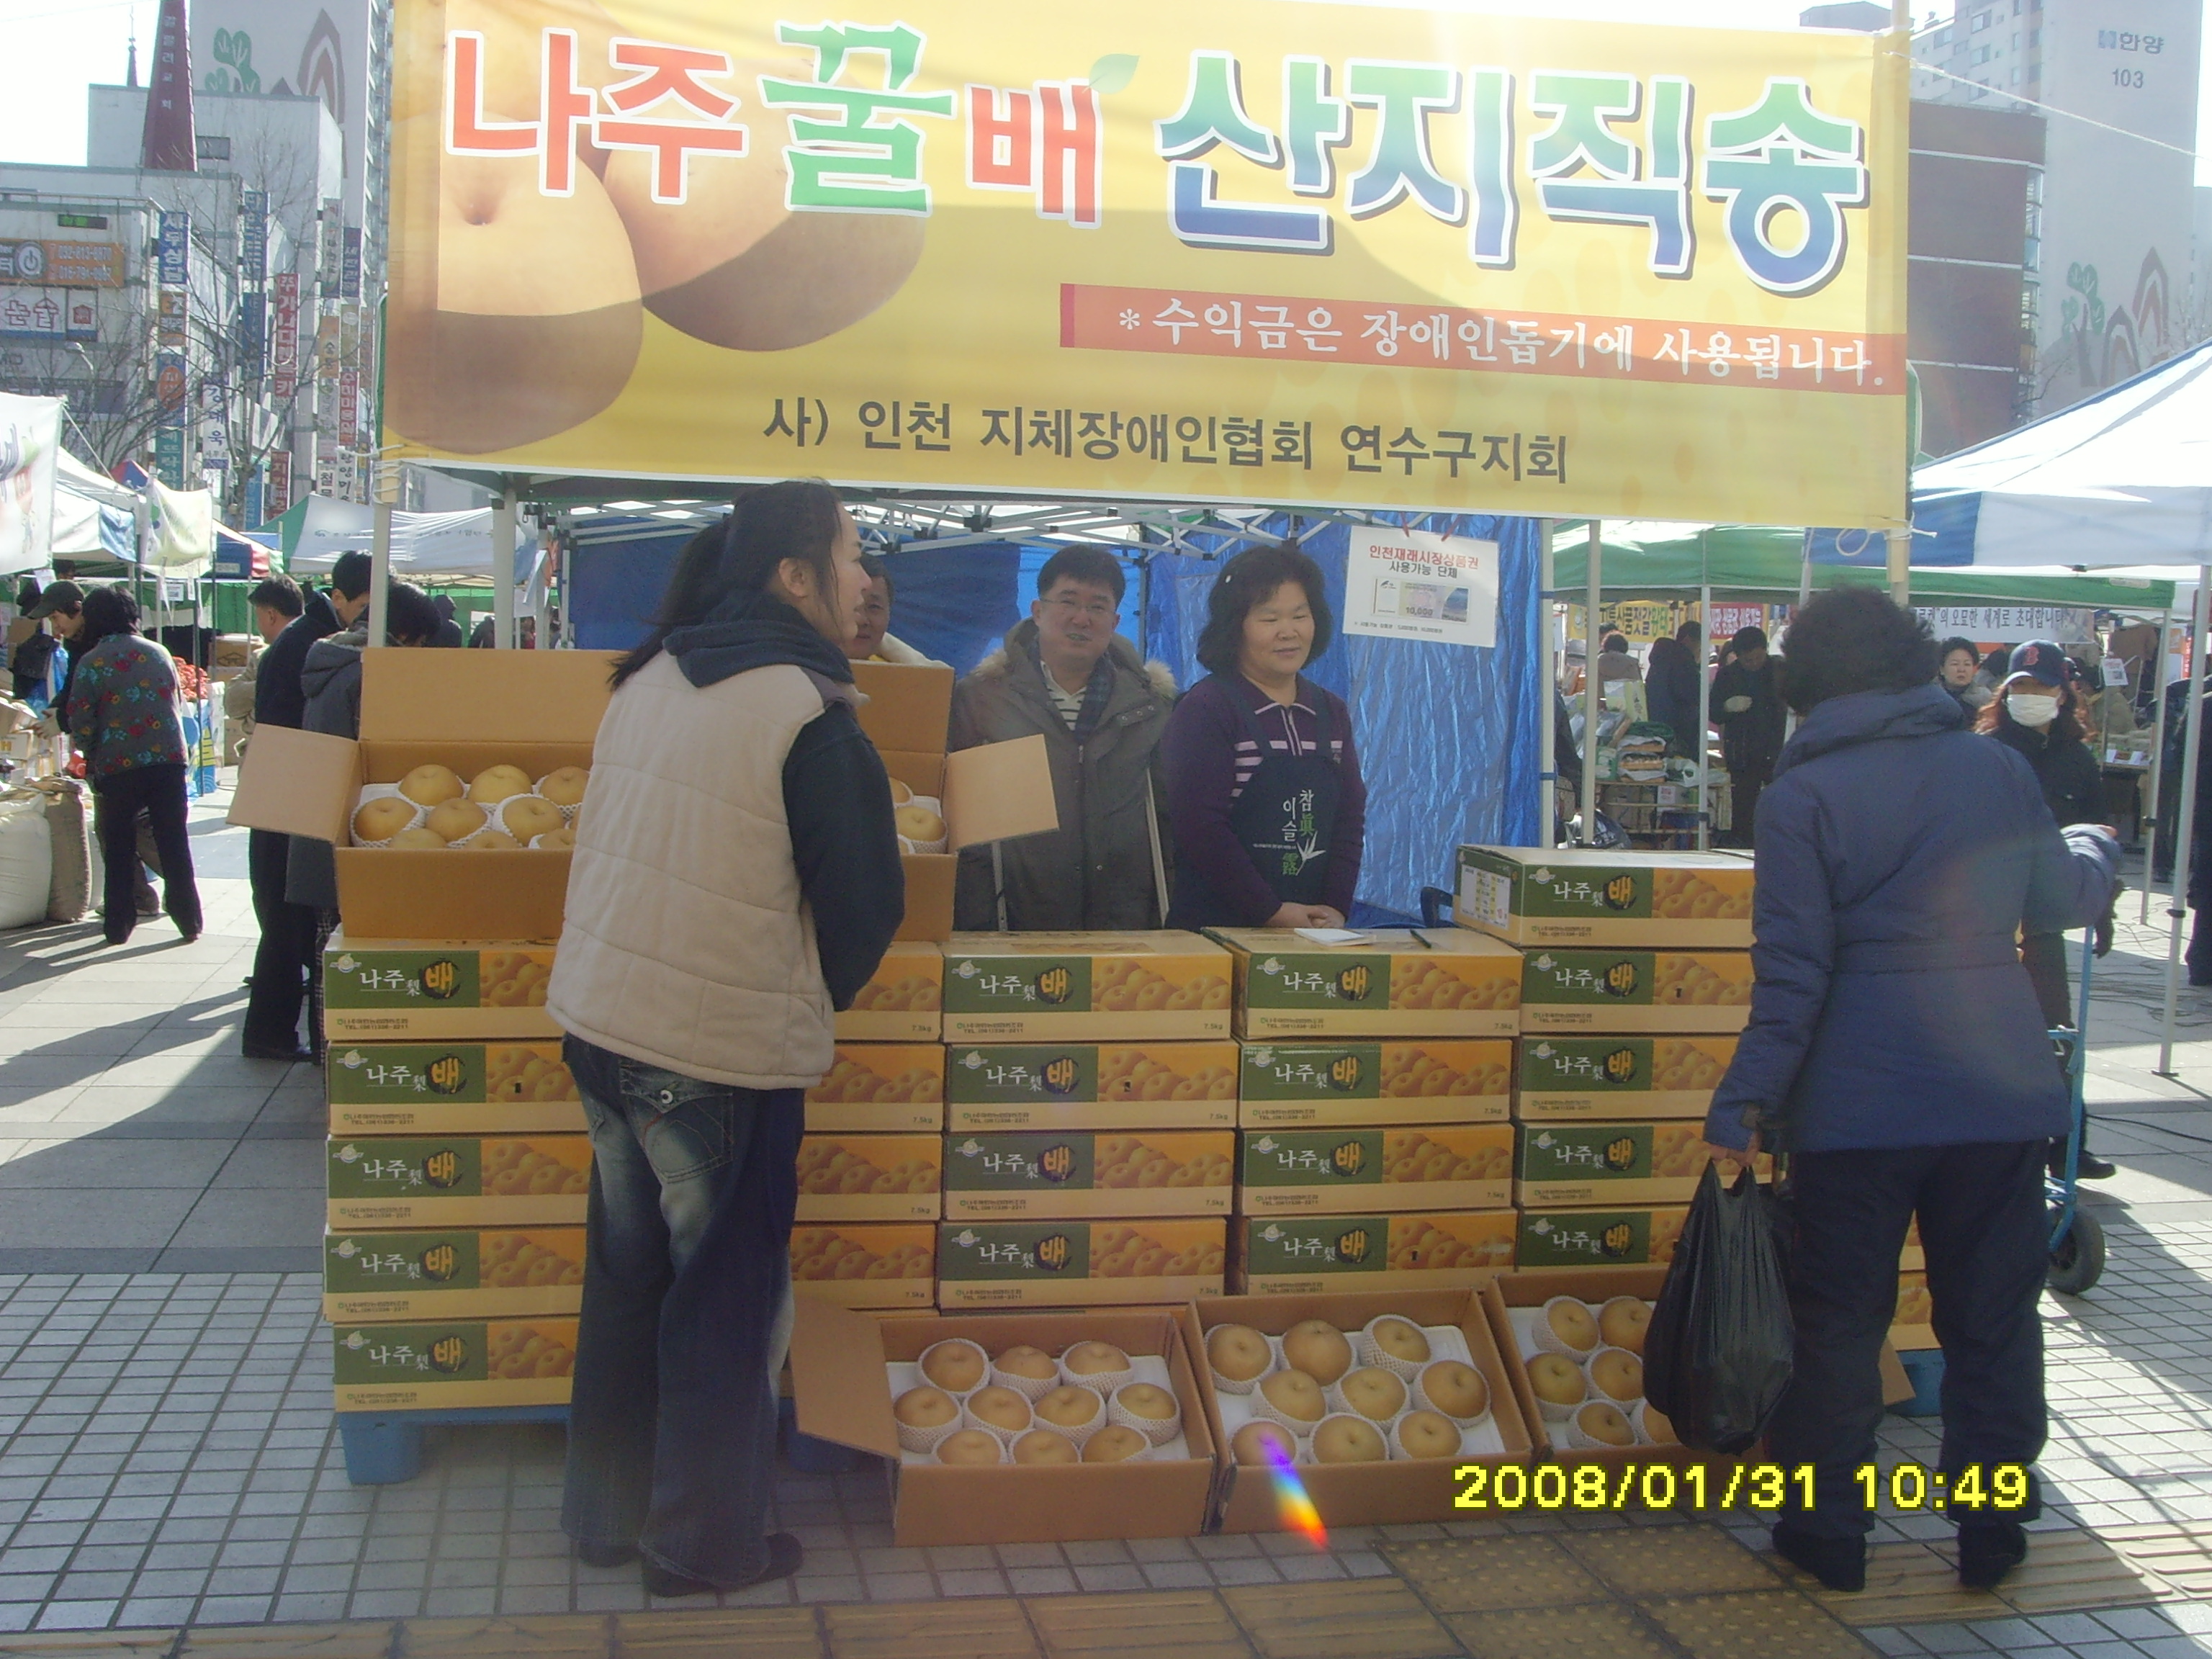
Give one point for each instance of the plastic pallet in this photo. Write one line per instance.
(383, 1448)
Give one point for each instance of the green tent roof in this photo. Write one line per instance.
(1768, 562)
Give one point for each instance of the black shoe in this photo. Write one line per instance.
(270, 1051)
(1988, 1551)
(1839, 1562)
(2090, 1167)
(606, 1555)
(785, 1553)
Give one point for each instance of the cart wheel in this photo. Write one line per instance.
(2078, 1262)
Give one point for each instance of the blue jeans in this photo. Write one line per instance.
(687, 1311)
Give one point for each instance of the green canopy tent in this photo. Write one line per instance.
(1767, 562)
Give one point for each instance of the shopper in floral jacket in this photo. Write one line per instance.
(122, 718)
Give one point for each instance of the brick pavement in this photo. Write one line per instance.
(167, 1456)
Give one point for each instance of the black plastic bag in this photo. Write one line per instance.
(1717, 1356)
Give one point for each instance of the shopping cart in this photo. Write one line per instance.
(2077, 1242)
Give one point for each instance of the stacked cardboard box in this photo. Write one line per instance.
(459, 1170)
(1090, 1127)
(1636, 978)
(1374, 1151)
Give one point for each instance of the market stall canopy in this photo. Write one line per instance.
(1641, 559)
(95, 516)
(2123, 478)
(444, 543)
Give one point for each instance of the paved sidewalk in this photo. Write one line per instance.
(167, 1456)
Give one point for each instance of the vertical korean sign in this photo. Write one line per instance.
(285, 336)
(173, 246)
(1312, 253)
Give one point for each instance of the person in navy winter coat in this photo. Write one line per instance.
(1896, 1052)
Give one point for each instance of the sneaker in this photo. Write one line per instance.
(784, 1554)
(1988, 1550)
(1838, 1563)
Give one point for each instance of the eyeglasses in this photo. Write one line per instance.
(1096, 610)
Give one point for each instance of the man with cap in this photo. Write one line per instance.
(1747, 706)
(287, 952)
(61, 607)
(2035, 714)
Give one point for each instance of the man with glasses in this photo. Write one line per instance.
(1068, 674)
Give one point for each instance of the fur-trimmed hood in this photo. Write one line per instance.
(1120, 652)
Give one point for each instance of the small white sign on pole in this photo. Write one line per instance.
(1410, 585)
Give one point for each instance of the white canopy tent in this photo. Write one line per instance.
(2123, 479)
(440, 544)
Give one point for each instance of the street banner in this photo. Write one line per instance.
(174, 248)
(180, 529)
(1314, 253)
(30, 438)
(284, 345)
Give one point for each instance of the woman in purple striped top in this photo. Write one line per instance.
(1264, 792)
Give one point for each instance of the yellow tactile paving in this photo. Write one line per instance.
(978, 1629)
(1641, 1561)
(1602, 1630)
(1174, 1624)
(2180, 1552)
(555, 1635)
(1911, 1583)
(355, 1641)
(1475, 1575)
(92, 1645)
(1754, 1625)
(1366, 1619)
(761, 1633)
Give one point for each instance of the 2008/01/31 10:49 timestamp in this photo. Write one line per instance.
(1908, 1485)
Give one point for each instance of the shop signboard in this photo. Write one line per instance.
(253, 237)
(69, 265)
(169, 456)
(173, 329)
(330, 248)
(280, 484)
(173, 249)
(349, 278)
(48, 313)
(348, 406)
(284, 353)
(1330, 253)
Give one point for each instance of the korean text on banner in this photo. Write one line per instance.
(30, 439)
(1326, 253)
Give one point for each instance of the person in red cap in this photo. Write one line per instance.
(2037, 711)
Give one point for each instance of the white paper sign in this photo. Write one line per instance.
(1407, 584)
(30, 437)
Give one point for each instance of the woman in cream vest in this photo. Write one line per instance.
(736, 880)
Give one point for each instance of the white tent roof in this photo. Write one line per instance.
(2123, 478)
(422, 543)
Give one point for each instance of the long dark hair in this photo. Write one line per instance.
(1996, 713)
(1248, 582)
(108, 612)
(796, 519)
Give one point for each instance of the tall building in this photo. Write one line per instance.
(2116, 83)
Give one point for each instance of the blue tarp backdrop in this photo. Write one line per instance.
(1447, 735)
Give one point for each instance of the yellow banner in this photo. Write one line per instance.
(1252, 250)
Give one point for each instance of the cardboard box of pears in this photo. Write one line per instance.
(1208, 1416)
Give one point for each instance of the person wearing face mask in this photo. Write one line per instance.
(736, 880)
(1264, 790)
(2034, 712)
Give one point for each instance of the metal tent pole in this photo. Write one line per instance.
(2176, 908)
(503, 570)
(1704, 717)
(384, 485)
(2157, 764)
(1592, 697)
(1548, 766)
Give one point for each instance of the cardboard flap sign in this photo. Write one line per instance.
(998, 791)
(298, 783)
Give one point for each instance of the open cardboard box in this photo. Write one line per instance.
(1364, 1494)
(540, 710)
(842, 1392)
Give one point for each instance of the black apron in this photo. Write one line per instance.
(1284, 820)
